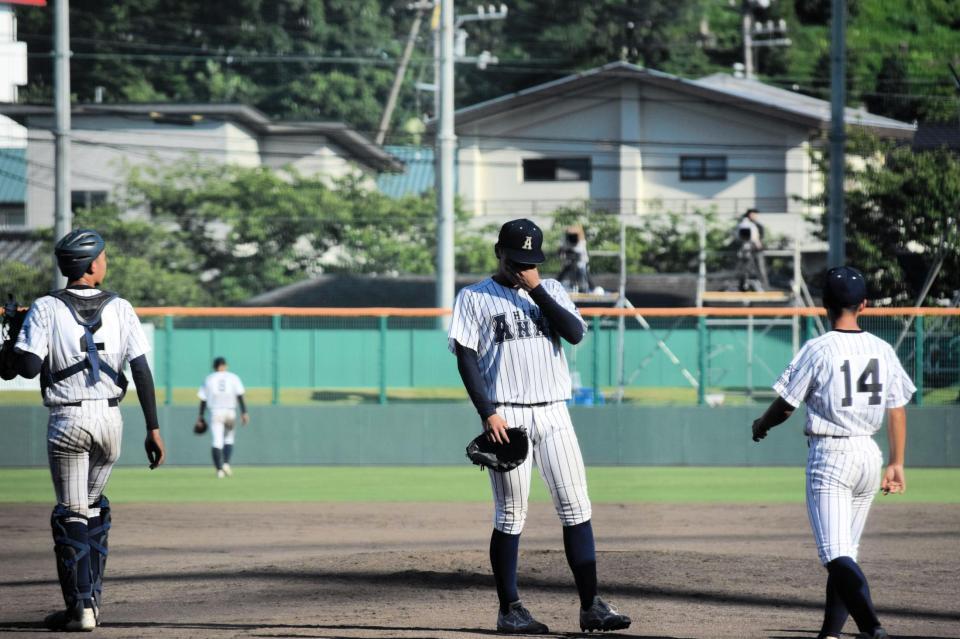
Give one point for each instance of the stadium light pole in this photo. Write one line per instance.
(61, 130)
(838, 85)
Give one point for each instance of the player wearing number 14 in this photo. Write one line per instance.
(848, 379)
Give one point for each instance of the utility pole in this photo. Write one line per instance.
(446, 149)
(838, 85)
(61, 129)
(401, 71)
(446, 145)
(757, 33)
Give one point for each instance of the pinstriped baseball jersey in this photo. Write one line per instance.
(520, 358)
(50, 332)
(220, 390)
(848, 381)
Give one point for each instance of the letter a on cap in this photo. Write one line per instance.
(528, 243)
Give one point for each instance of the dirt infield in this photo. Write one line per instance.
(420, 570)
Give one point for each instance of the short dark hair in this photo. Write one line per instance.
(218, 362)
(749, 211)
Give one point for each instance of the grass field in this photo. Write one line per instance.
(456, 484)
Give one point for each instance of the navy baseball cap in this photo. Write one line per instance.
(521, 241)
(845, 286)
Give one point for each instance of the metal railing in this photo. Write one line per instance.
(651, 355)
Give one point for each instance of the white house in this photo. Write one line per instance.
(107, 138)
(634, 140)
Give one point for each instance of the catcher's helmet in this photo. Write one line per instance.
(76, 250)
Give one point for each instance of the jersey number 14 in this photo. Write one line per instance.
(868, 382)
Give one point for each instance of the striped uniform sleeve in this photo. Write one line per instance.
(35, 333)
(137, 343)
(464, 327)
(560, 294)
(900, 388)
(798, 379)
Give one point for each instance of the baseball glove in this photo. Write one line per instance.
(200, 427)
(12, 322)
(499, 457)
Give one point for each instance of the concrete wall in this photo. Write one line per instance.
(103, 147)
(437, 435)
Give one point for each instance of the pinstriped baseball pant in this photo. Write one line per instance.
(556, 452)
(83, 443)
(843, 476)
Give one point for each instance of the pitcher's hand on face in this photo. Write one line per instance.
(526, 276)
(496, 428)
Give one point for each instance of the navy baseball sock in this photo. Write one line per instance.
(851, 585)
(504, 551)
(834, 613)
(218, 458)
(582, 557)
(227, 451)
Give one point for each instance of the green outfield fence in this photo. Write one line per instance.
(652, 355)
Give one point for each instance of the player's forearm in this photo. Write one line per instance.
(897, 434)
(778, 412)
(469, 366)
(143, 378)
(565, 323)
(243, 406)
(203, 407)
(27, 364)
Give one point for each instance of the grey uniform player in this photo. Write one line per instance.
(78, 340)
(221, 392)
(848, 380)
(506, 332)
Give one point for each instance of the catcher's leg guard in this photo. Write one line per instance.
(72, 549)
(98, 531)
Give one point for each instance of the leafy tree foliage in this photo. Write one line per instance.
(902, 217)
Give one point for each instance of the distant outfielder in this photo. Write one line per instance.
(221, 392)
(506, 333)
(78, 339)
(848, 379)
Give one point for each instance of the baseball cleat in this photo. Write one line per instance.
(518, 621)
(69, 621)
(221, 474)
(227, 471)
(603, 617)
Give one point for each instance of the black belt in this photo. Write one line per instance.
(113, 401)
(525, 405)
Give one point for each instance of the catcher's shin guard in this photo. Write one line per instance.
(99, 529)
(72, 549)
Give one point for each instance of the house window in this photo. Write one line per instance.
(703, 167)
(87, 199)
(556, 170)
(12, 215)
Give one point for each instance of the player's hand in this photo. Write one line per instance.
(496, 428)
(759, 430)
(156, 452)
(894, 481)
(525, 276)
(244, 419)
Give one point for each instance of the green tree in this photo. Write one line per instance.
(902, 217)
